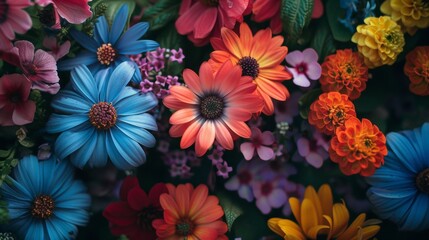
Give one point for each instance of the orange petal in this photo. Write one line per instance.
(367, 232)
(178, 130)
(272, 57)
(205, 138)
(198, 198)
(232, 42)
(268, 103)
(223, 136)
(182, 198)
(308, 215)
(206, 77)
(238, 113)
(209, 215)
(227, 78)
(258, 49)
(352, 230)
(240, 128)
(273, 225)
(183, 116)
(295, 206)
(192, 81)
(325, 196)
(275, 90)
(277, 73)
(220, 56)
(168, 203)
(314, 231)
(311, 194)
(291, 230)
(202, 232)
(173, 103)
(183, 94)
(190, 134)
(246, 37)
(340, 219)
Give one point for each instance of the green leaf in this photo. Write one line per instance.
(162, 13)
(335, 12)
(296, 16)
(232, 212)
(322, 40)
(114, 5)
(306, 100)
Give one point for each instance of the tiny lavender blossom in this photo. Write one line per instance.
(304, 66)
(223, 169)
(177, 56)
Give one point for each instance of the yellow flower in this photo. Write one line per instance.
(410, 14)
(317, 216)
(379, 40)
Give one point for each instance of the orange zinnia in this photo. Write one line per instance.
(212, 106)
(330, 111)
(417, 69)
(190, 214)
(344, 72)
(358, 147)
(259, 56)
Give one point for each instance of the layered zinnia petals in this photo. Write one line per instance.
(212, 107)
(190, 213)
(417, 70)
(259, 61)
(358, 147)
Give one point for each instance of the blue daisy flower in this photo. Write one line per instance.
(400, 188)
(44, 201)
(109, 47)
(100, 118)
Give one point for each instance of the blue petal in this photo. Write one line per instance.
(62, 178)
(15, 191)
(77, 216)
(60, 123)
(99, 155)
(139, 135)
(70, 141)
(137, 77)
(84, 83)
(424, 143)
(391, 179)
(101, 78)
(124, 152)
(134, 33)
(416, 219)
(118, 80)
(27, 173)
(35, 231)
(118, 24)
(69, 102)
(402, 148)
(137, 47)
(61, 227)
(75, 198)
(145, 121)
(101, 30)
(84, 57)
(83, 154)
(136, 104)
(389, 208)
(84, 40)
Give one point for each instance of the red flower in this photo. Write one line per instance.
(133, 215)
(74, 11)
(15, 108)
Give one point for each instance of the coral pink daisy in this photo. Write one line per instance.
(13, 19)
(15, 108)
(74, 11)
(213, 106)
(202, 19)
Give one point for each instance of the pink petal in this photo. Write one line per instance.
(265, 153)
(5, 43)
(314, 160)
(267, 138)
(7, 30)
(317, 9)
(232, 184)
(19, 20)
(294, 58)
(185, 23)
(26, 51)
(24, 113)
(205, 23)
(299, 79)
(248, 150)
(303, 147)
(74, 11)
(310, 55)
(263, 205)
(277, 198)
(234, 8)
(43, 3)
(245, 192)
(6, 116)
(314, 71)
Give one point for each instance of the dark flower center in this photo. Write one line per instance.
(14, 97)
(47, 16)
(422, 181)
(211, 107)
(210, 3)
(147, 215)
(302, 68)
(102, 115)
(244, 177)
(106, 54)
(249, 66)
(184, 227)
(4, 9)
(43, 207)
(266, 188)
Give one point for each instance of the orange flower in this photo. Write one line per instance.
(259, 56)
(330, 111)
(417, 69)
(212, 106)
(344, 72)
(190, 214)
(358, 147)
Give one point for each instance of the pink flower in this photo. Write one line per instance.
(304, 66)
(244, 179)
(15, 107)
(13, 19)
(57, 51)
(269, 194)
(223, 169)
(39, 67)
(74, 11)
(177, 55)
(317, 9)
(202, 19)
(259, 142)
(315, 150)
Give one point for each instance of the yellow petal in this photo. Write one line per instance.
(329, 223)
(295, 206)
(314, 231)
(340, 217)
(291, 229)
(311, 194)
(367, 232)
(308, 215)
(325, 196)
(273, 225)
(353, 228)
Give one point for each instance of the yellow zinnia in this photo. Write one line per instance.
(410, 14)
(380, 41)
(317, 216)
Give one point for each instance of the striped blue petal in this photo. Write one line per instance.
(84, 83)
(119, 78)
(69, 141)
(137, 47)
(118, 24)
(134, 33)
(139, 135)
(69, 102)
(136, 104)
(101, 30)
(144, 120)
(84, 40)
(124, 152)
(85, 58)
(59, 123)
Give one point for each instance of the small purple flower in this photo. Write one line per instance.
(146, 86)
(313, 150)
(244, 179)
(158, 54)
(160, 80)
(304, 66)
(269, 194)
(172, 81)
(216, 156)
(223, 169)
(177, 55)
(259, 142)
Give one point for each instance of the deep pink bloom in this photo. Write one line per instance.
(57, 51)
(202, 19)
(259, 143)
(15, 107)
(74, 11)
(177, 55)
(304, 66)
(13, 19)
(39, 67)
